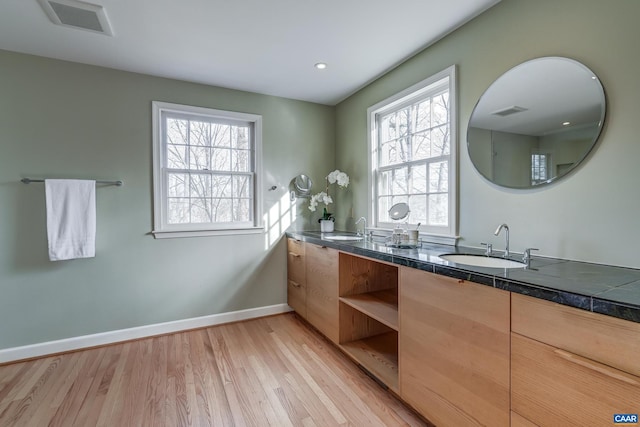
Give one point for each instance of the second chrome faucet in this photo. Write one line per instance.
(526, 256)
(364, 228)
(506, 228)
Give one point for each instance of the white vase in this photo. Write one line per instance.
(326, 225)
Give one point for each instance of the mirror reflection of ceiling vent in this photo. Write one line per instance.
(77, 14)
(509, 111)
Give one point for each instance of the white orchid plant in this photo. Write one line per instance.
(335, 177)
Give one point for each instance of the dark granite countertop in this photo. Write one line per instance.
(609, 290)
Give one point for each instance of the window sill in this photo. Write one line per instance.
(439, 239)
(173, 234)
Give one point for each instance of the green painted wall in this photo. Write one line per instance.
(60, 119)
(592, 214)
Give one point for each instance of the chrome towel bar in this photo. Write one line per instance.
(29, 181)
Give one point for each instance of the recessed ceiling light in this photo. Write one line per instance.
(566, 123)
(320, 65)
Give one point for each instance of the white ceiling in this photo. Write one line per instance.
(262, 46)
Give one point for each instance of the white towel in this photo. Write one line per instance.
(71, 218)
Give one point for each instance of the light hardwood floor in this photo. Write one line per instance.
(273, 371)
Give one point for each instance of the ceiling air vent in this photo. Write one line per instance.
(77, 14)
(509, 111)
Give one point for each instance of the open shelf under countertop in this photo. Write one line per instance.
(381, 306)
(379, 355)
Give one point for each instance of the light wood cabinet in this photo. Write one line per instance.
(570, 366)
(461, 353)
(322, 289)
(296, 277)
(454, 350)
(312, 285)
(369, 315)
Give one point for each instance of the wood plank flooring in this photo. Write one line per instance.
(273, 371)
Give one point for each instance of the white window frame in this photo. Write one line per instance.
(447, 235)
(162, 229)
(547, 167)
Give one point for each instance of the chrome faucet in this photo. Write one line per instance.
(364, 229)
(506, 227)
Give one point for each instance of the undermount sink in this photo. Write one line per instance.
(343, 238)
(482, 261)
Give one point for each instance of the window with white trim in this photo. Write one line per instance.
(540, 164)
(206, 171)
(412, 146)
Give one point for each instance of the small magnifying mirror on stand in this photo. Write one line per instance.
(301, 187)
(399, 211)
(402, 237)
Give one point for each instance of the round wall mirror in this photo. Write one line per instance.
(399, 211)
(536, 123)
(302, 185)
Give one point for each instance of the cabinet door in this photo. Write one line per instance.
(454, 349)
(553, 387)
(296, 277)
(322, 289)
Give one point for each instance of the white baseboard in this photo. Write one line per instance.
(86, 341)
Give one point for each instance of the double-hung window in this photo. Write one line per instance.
(540, 168)
(206, 171)
(412, 146)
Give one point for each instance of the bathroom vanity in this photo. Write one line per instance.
(557, 343)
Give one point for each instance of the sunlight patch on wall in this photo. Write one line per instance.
(278, 218)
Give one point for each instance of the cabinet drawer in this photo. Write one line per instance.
(551, 386)
(297, 297)
(609, 340)
(296, 261)
(295, 246)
